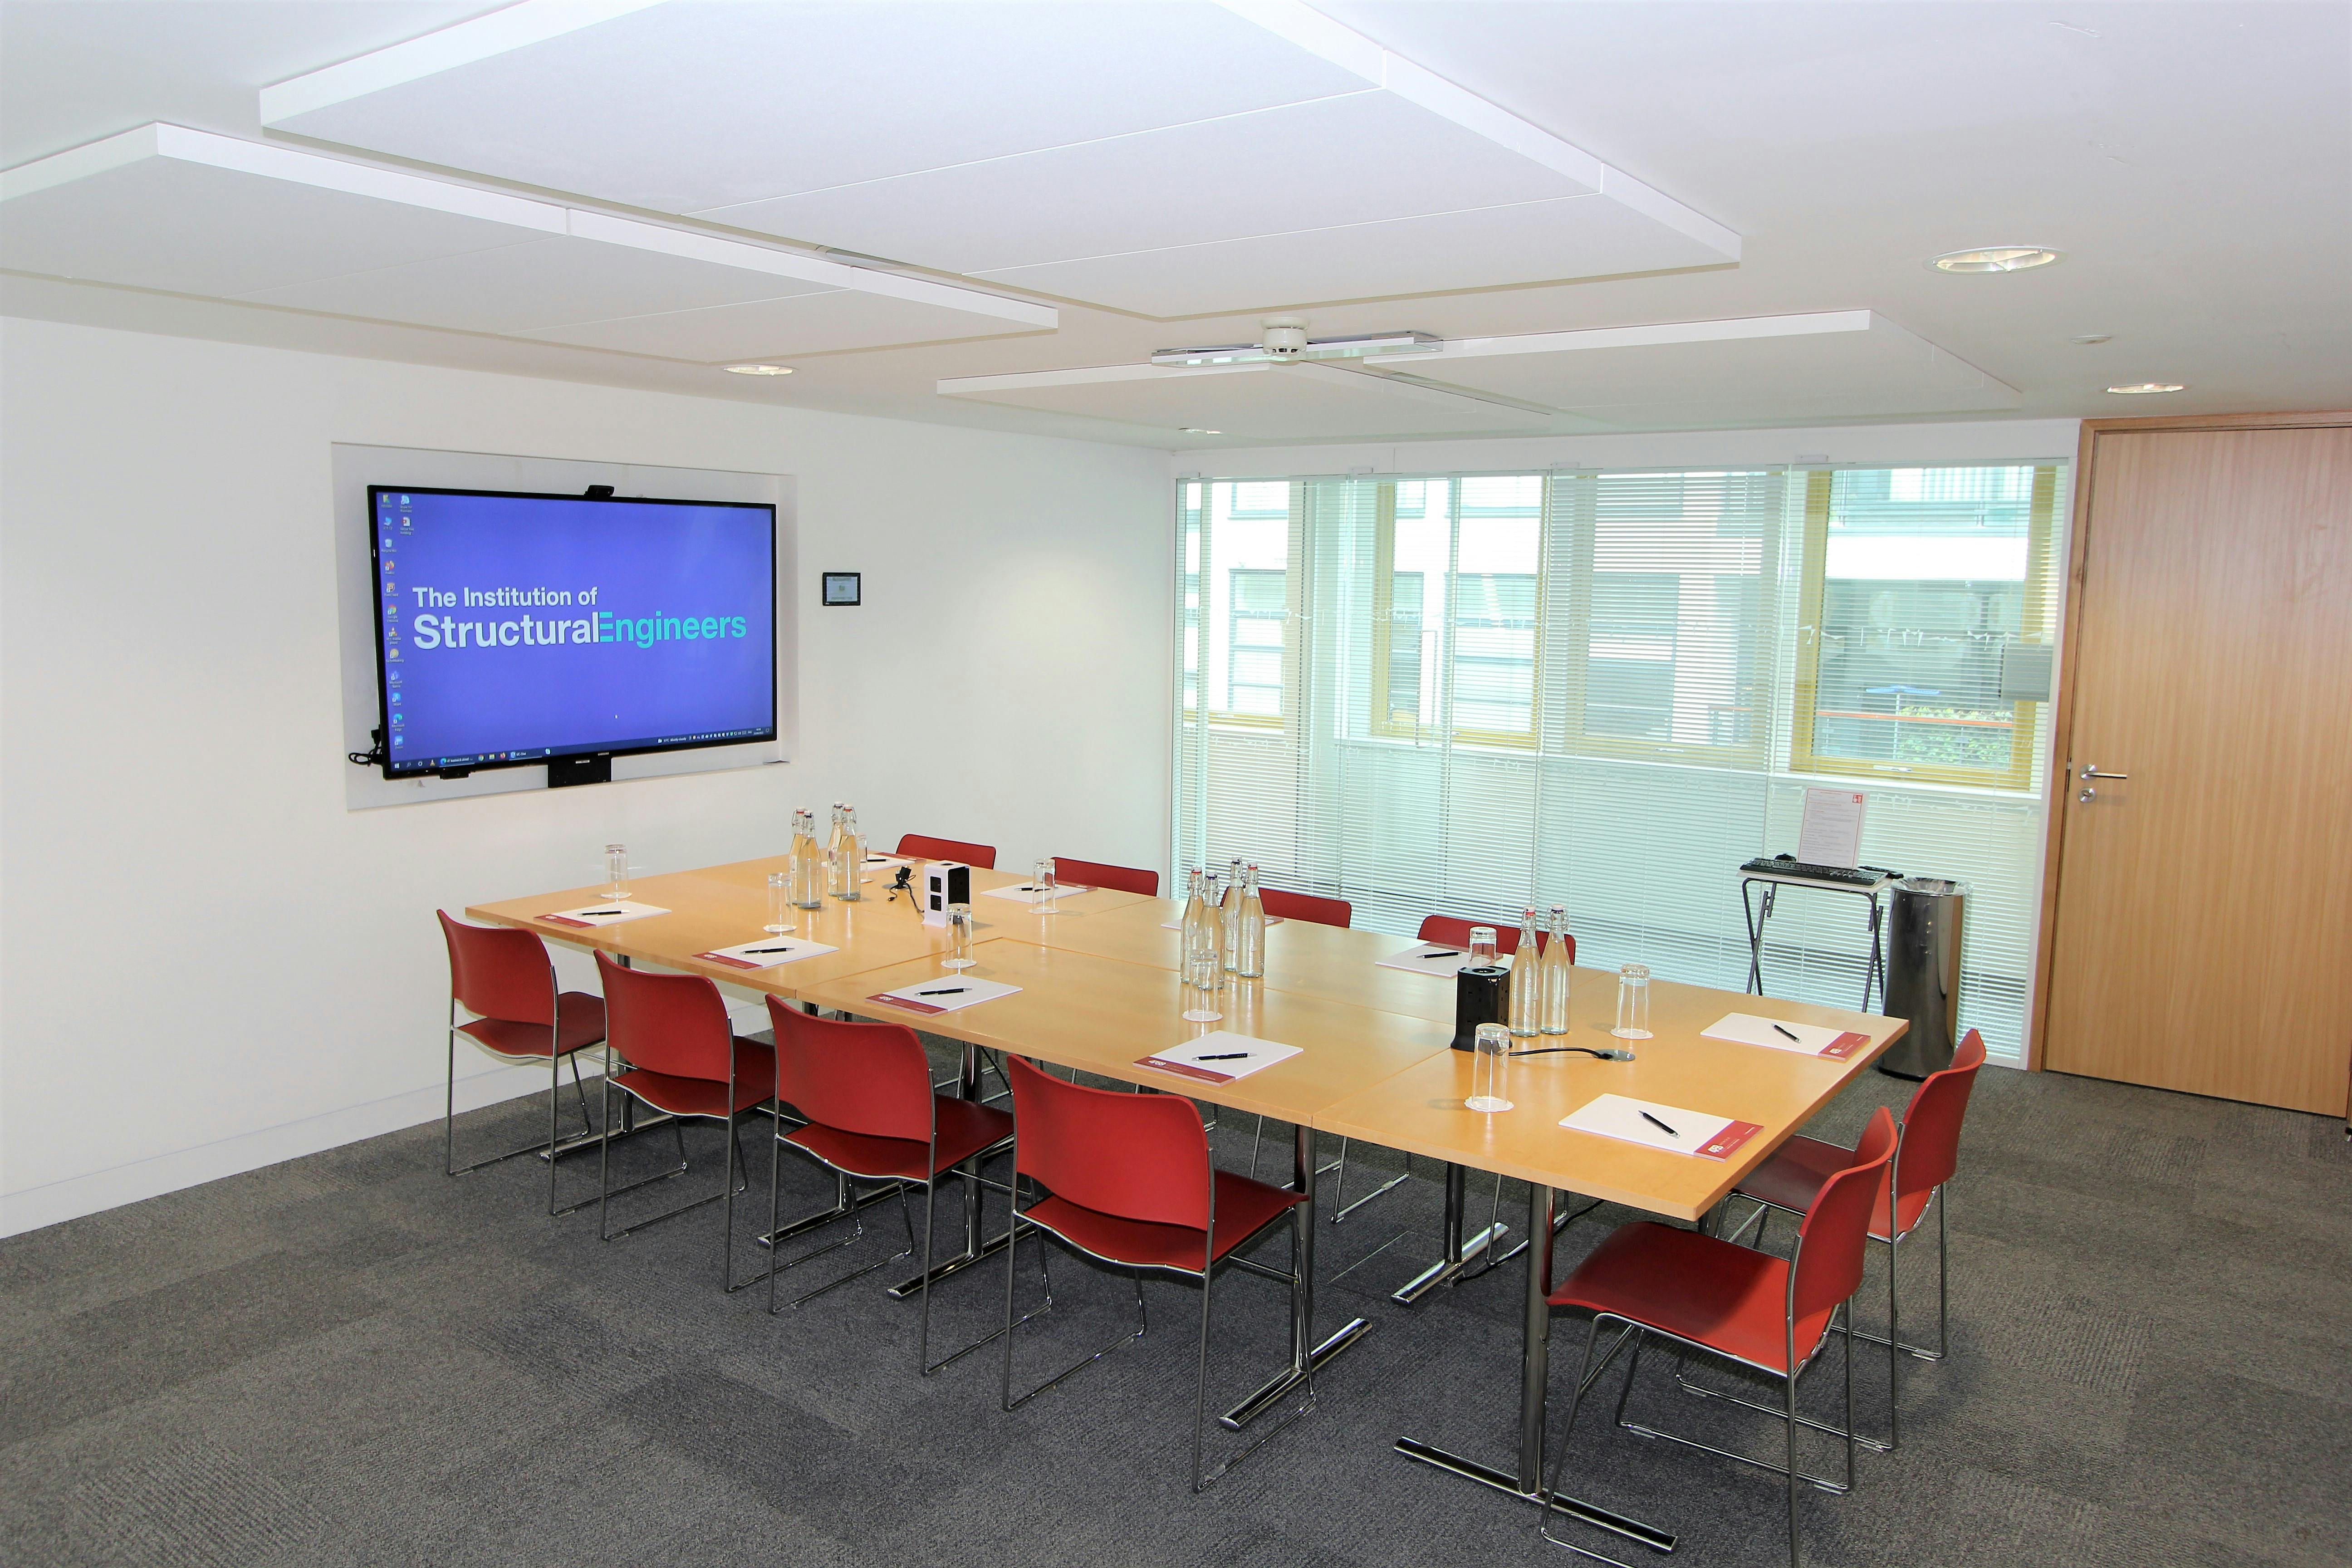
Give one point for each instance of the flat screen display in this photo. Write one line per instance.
(513, 629)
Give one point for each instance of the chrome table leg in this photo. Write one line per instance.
(1524, 1481)
(1459, 1250)
(1305, 1356)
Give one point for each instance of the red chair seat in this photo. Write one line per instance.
(965, 1127)
(1792, 1175)
(1696, 1287)
(582, 1024)
(755, 1080)
(1244, 1207)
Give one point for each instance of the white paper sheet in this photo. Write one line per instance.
(1219, 1056)
(882, 867)
(1027, 892)
(946, 993)
(1417, 960)
(1832, 834)
(1615, 1116)
(1747, 1030)
(1178, 924)
(612, 912)
(767, 952)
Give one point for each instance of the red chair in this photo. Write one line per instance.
(504, 976)
(1768, 1315)
(1926, 1154)
(1127, 1181)
(922, 846)
(679, 1055)
(1072, 873)
(871, 1116)
(1456, 932)
(1308, 907)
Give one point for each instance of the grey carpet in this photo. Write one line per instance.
(352, 1359)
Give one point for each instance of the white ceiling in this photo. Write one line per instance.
(2194, 162)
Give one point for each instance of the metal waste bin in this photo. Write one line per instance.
(1923, 973)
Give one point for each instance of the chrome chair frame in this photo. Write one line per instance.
(554, 1148)
(1790, 1420)
(728, 1189)
(1201, 1481)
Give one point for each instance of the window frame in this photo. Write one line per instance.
(2025, 732)
(1382, 720)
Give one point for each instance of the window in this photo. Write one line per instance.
(1916, 583)
(1464, 693)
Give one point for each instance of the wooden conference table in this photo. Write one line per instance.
(1100, 988)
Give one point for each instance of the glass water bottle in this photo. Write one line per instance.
(852, 856)
(833, 854)
(1555, 971)
(1526, 982)
(1249, 934)
(808, 862)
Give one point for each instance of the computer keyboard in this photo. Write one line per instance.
(1850, 876)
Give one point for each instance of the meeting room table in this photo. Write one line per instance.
(1099, 991)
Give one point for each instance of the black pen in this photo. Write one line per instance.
(1660, 1125)
(945, 991)
(604, 912)
(1222, 1056)
(1445, 953)
(1790, 1033)
(767, 950)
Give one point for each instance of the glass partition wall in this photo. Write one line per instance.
(1470, 693)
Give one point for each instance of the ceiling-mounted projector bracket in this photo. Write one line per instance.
(1286, 341)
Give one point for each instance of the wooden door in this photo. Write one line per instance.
(2202, 930)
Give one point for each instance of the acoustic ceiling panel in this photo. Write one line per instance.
(1261, 401)
(1771, 369)
(989, 136)
(190, 211)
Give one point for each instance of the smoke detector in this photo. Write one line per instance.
(1286, 337)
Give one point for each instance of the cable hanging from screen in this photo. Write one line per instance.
(374, 756)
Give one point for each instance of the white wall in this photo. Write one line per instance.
(208, 964)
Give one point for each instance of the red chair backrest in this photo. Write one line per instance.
(673, 1024)
(1309, 907)
(1138, 1156)
(922, 846)
(1447, 928)
(860, 1078)
(499, 972)
(1836, 1230)
(1931, 1127)
(1094, 873)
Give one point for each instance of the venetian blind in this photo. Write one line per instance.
(1464, 693)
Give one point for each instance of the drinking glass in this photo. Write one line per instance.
(1632, 1003)
(779, 902)
(1042, 880)
(617, 870)
(1490, 1069)
(1482, 948)
(1204, 970)
(959, 938)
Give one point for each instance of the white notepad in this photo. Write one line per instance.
(1416, 959)
(1178, 924)
(1812, 1039)
(1029, 893)
(944, 993)
(1218, 1057)
(612, 912)
(766, 952)
(881, 867)
(1691, 1131)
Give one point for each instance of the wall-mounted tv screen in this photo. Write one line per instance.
(514, 630)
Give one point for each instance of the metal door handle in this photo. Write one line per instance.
(2092, 771)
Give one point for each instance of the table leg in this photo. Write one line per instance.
(1304, 1355)
(1458, 1250)
(975, 1246)
(1524, 1481)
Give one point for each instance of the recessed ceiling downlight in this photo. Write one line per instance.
(1996, 258)
(758, 369)
(2137, 387)
(1197, 430)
